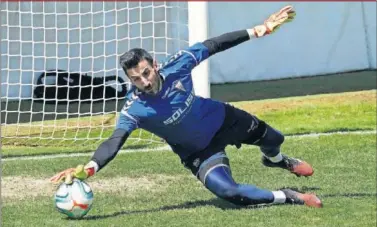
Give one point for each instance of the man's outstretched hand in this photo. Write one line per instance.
(285, 15)
(69, 174)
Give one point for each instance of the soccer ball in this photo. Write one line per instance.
(74, 200)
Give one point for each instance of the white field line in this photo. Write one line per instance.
(334, 133)
(167, 148)
(38, 157)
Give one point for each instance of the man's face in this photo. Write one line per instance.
(145, 77)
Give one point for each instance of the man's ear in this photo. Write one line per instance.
(155, 65)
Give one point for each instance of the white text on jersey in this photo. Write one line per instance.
(178, 113)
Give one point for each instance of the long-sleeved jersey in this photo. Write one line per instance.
(175, 113)
(187, 122)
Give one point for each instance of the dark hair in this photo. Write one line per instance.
(131, 58)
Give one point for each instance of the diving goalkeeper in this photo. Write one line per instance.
(162, 101)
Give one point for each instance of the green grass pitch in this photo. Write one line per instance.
(153, 189)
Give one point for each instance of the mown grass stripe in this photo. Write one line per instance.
(167, 148)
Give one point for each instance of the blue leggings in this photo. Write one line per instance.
(218, 177)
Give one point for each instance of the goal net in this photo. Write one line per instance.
(84, 38)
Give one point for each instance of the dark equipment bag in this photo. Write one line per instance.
(77, 87)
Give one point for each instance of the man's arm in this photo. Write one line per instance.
(185, 60)
(107, 151)
(231, 39)
(226, 41)
(101, 157)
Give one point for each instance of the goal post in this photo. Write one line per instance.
(198, 32)
(84, 38)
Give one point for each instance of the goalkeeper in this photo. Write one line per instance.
(198, 130)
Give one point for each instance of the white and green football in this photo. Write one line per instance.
(74, 200)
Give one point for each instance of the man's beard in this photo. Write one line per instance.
(156, 88)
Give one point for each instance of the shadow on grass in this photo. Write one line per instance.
(222, 204)
(346, 195)
(216, 202)
(349, 195)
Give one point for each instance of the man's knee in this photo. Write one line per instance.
(234, 195)
(271, 138)
(217, 178)
(227, 192)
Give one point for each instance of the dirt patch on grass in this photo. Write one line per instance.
(28, 187)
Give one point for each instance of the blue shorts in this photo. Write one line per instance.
(239, 127)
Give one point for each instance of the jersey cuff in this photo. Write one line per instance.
(251, 33)
(92, 167)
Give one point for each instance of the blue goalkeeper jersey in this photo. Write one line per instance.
(175, 113)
